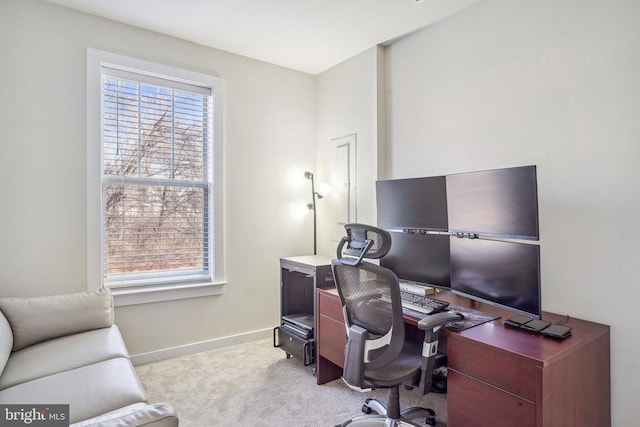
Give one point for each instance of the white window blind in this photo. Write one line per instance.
(157, 137)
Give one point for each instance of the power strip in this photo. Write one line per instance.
(416, 289)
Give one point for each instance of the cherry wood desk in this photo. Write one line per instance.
(499, 376)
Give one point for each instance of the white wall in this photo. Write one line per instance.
(551, 83)
(269, 132)
(349, 102)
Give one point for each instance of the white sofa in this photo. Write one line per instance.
(66, 349)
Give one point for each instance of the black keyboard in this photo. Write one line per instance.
(422, 304)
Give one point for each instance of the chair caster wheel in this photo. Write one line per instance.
(366, 409)
(431, 418)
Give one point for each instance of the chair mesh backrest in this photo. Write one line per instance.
(369, 293)
(363, 241)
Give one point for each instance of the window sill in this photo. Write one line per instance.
(149, 294)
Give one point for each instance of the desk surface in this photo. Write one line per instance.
(307, 260)
(530, 379)
(528, 344)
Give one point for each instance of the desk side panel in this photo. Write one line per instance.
(578, 387)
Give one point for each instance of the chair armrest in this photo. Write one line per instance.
(431, 325)
(433, 321)
(353, 373)
(153, 415)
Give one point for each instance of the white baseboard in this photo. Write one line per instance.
(197, 347)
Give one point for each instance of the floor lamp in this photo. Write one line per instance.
(312, 206)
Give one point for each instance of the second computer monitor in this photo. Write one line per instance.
(413, 203)
(501, 273)
(420, 258)
(499, 203)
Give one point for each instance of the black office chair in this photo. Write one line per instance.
(376, 353)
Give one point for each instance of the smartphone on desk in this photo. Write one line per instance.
(518, 321)
(557, 331)
(541, 326)
(536, 325)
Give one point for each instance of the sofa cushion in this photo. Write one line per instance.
(89, 391)
(63, 354)
(37, 319)
(6, 341)
(140, 414)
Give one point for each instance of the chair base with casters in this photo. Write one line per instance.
(389, 414)
(385, 413)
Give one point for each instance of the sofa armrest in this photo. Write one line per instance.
(6, 341)
(148, 415)
(37, 319)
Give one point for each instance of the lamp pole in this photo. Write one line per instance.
(309, 175)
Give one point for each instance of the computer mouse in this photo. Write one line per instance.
(457, 313)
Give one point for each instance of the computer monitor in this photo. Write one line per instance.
(419, 258)
(500, 203)
(413, 203)
(501, 273)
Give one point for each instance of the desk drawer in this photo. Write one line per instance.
(294, 345)
(475, 403)
(329, 305)
(332, 338)
(506, 371)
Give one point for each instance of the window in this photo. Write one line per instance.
(158, 174)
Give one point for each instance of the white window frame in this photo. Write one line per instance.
(128, 295)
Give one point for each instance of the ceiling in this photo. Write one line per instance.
(305, 35)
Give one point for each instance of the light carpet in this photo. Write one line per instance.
(254, 384)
